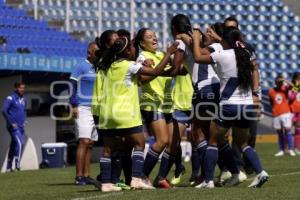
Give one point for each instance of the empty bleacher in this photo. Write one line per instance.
(23, 32)
(268, 24)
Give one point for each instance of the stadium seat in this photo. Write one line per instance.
(269, 24)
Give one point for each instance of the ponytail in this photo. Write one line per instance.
(233, 38)
(181, 23)
(114, 53)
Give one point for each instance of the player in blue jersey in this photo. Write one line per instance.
(82, 79)
(14, 111)
(236, 106)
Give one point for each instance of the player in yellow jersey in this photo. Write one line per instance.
(182, 104)
(119, 114)
(156, 108)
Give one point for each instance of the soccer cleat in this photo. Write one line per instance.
(225, 175)
(80, 180)
(233, 181)
(123, 185)
(204, 184)
(292, 153)
(9, 170)
(195, 179)
(259, 180)
(138, 183)
(242, 176)
(177, 178)
(192, 180)
(89, 180)
(280, 153)
(162, 183)
(297, 151)
(187, 159)
(109, 187)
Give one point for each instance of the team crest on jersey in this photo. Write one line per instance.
(278, 99)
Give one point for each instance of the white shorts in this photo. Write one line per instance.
(85, 124)
(283, 121)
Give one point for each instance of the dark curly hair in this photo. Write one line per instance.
(233, 37)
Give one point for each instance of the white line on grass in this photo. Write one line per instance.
(99, 196)
(274, 175)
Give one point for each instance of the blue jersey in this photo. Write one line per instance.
(14, 109)
(82, 78)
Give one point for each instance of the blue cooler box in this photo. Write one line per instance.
(54, 155)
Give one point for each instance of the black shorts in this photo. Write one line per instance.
(151, 116)
(122, 132)
(206, 102)
(240, 116)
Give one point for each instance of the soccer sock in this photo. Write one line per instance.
(137, 163)
(127, 166)
(201, 149)
(105, 164)
(210, 161)
(226, 155)
(150, 161)
(116, 168)
(178, 158)
(166, 164)
(280, 140)
(221, 163)
(252, 156)
(289, 138)
(195, 162)
(297, 137)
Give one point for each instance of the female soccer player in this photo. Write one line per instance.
(156, 105)
(120, 108)
(236, 105)
(206, 90)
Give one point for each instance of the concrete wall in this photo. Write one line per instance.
(41, 130)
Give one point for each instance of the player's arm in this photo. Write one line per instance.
(5, 111)
(198, 50)
(159, 69)
(74, 78)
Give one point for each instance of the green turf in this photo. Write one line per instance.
(58, 184)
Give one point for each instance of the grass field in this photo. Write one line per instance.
(58, 184)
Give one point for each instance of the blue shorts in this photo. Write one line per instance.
(240, 116)
(183, 117)
(121, 132)
(206, 101)
(151, 116)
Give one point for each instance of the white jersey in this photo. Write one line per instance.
(205, 75)
(188, 61)
(230, 91)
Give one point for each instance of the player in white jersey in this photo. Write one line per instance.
(236, 106)
(180, 24)
(206, 95)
